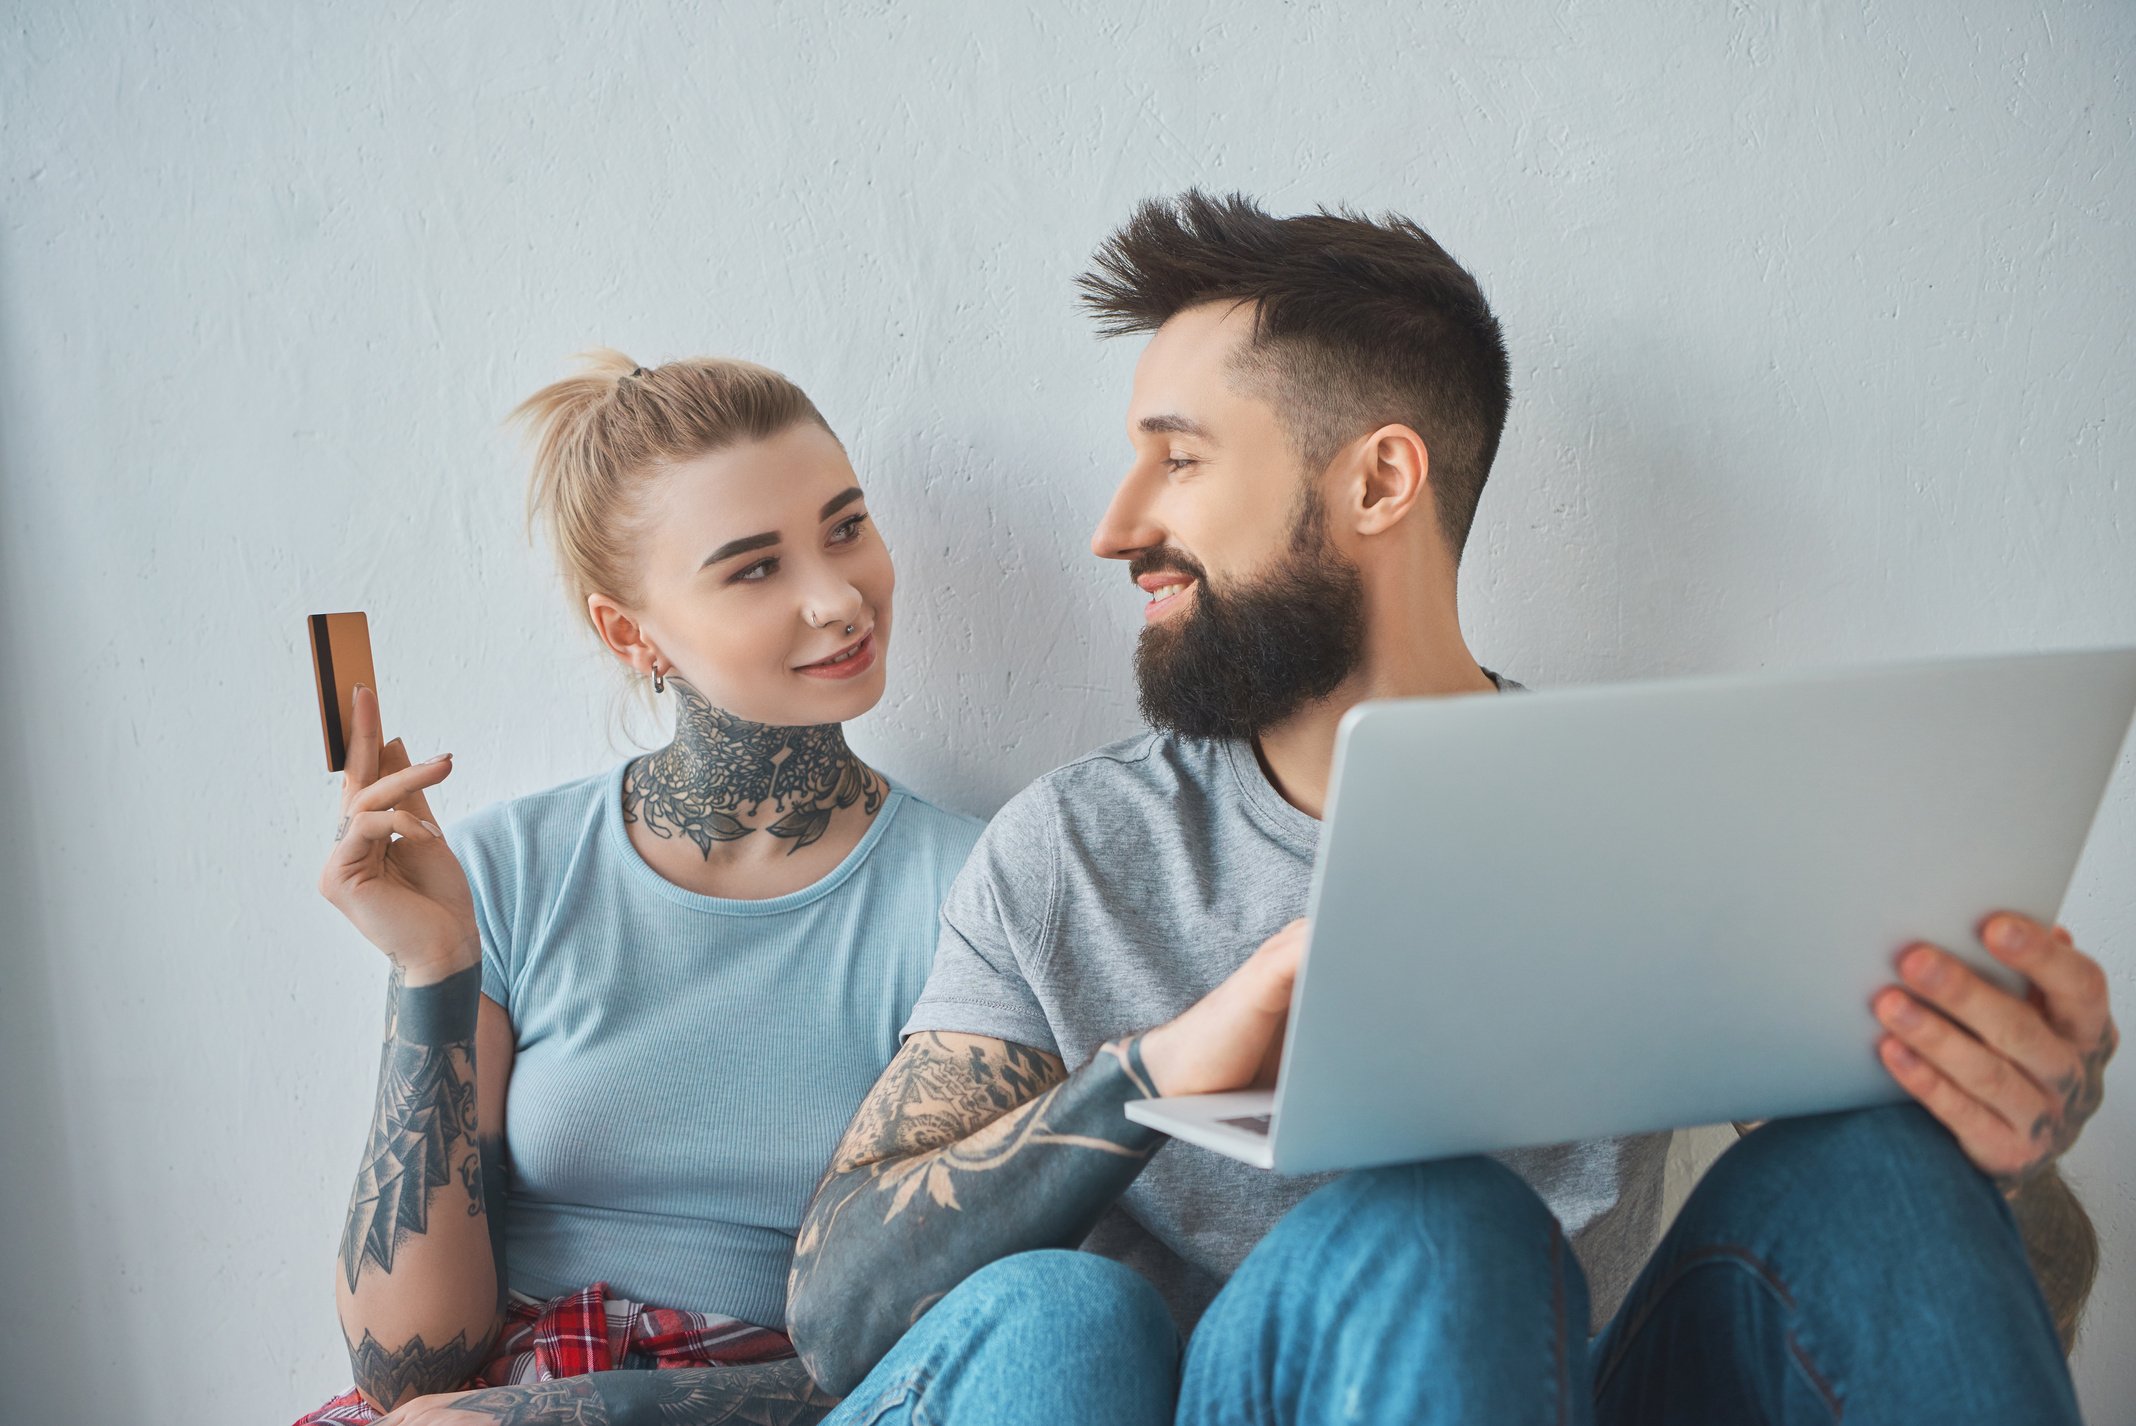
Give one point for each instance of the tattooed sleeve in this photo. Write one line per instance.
(967, 1149)
(423, 1138)
(772, 1394)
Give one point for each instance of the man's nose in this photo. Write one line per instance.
(1128, 524)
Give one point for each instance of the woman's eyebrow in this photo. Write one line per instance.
(739, 547)
(838, 502)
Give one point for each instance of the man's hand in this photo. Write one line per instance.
(2013, 1079)
(1232, 1037)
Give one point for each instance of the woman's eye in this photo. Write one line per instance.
(757, 573)
(848, 531)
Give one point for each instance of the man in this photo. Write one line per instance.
(1313, 421)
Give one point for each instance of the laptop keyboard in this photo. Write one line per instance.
(1251, 1123)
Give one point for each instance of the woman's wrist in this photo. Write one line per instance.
(430, 966)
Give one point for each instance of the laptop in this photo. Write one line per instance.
(1571, 914)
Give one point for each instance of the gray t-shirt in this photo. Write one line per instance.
(1112, 894)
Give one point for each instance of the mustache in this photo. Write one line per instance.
(1160, 558)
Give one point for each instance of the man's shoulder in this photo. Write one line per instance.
(1145, 772)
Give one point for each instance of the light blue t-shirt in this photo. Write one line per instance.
(686, 1064)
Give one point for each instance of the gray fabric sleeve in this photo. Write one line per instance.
(994, 921)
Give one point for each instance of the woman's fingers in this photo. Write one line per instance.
(360, 768)
(367, 832)
(399, 785)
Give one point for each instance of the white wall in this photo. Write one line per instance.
(1818, 319)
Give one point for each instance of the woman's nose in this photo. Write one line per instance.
(836, 603)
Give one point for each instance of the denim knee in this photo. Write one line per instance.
(1893, 1166)
(1105, 1305)
(1029, 1340)
(1473, 1207)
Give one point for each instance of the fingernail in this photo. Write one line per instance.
(1923, 967)
(1901, 1010)
(2008, 935)
(1902, 1057)
(433, 829)
(438, 759)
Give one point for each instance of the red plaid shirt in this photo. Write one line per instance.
(589, 1331)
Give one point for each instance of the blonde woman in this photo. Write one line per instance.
(631, 1015)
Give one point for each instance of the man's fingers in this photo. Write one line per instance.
(2015, 1029)
(1994, 1147)
(2072, 982)
(1973, 1066)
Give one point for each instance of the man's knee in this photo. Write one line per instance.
(1094, 1302)
(1892, 1166)
(1465, 1207)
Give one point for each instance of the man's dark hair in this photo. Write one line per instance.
(1358, 324)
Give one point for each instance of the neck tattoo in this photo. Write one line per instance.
(722, 777)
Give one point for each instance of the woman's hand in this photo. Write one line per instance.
(390, 871)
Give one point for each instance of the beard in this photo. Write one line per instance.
(1246, 658)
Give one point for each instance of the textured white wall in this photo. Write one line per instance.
(1819, 313)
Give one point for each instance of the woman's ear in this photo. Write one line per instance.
(1394, 474)
(623, 635)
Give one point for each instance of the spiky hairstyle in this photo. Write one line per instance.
(1357, 324)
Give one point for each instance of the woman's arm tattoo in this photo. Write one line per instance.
(423, 1138)
(423, 1126)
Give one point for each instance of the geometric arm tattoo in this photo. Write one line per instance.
(423, 1138)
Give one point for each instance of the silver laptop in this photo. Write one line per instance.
(1540, 917)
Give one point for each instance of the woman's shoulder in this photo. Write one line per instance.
(920, 822)
(516, 829)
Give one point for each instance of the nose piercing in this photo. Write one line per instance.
(849, 628)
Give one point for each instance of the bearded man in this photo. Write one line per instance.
(1313, 419)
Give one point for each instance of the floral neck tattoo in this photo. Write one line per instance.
(722, 776)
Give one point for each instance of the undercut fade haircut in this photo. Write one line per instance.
(1358, 324)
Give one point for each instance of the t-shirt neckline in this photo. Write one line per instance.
(1295, 828)
(830, 881)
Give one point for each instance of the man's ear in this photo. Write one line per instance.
(623, 635)
(1394, 473)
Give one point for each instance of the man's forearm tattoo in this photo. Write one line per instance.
(957, 1157)
(722, 776)
(766, 1394)
(423, 1127)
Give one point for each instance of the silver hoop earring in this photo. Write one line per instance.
(659, 683)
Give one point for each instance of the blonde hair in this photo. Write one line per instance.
(607, 432)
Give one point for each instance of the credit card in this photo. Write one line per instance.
(341, 659)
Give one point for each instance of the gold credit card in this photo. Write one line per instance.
(341, 659)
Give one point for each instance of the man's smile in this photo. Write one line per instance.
(1164, 589)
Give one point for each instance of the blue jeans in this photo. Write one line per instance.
(1851, 1264)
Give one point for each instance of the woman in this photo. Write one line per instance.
(631, 1015)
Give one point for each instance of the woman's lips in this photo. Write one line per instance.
(851, 661)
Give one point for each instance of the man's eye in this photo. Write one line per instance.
(848, 531)
(757, 573)
(1175, 464)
